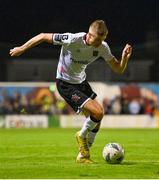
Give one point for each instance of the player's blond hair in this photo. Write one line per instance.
(99, 27)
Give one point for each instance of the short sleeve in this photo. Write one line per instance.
(107, 55)
(61, 39)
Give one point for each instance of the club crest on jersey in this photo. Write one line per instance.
(95, 53)
(75, 97)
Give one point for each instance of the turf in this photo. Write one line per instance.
(50, 153)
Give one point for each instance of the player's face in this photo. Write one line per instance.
(94, 39)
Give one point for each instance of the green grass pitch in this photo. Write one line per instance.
(50, 153)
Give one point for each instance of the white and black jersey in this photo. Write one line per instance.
(76, 55)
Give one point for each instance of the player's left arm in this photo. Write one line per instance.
(119, 66)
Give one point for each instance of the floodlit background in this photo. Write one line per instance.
(37, 127)
(134, 22)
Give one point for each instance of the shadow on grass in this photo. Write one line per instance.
(128, 163)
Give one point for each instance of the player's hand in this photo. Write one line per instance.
(17, 51)
(127, 51)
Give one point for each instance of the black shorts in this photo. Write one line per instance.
(76, 95)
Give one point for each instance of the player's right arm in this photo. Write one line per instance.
(42, 37)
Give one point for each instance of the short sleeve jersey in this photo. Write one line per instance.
(75, 55)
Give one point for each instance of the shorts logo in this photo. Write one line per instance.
(75, 97)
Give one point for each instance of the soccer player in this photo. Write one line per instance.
(79, 50)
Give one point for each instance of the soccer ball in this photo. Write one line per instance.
(113, 153)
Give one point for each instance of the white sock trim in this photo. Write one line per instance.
(87, 126)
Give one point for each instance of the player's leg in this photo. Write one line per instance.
(91, 134)
(80, 97)
(94, 115)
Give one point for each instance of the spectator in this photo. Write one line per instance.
(116, 105)
(134, 107)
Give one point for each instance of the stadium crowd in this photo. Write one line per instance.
(42, 101)
(123, 105)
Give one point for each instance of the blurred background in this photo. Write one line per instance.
(27, 82)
